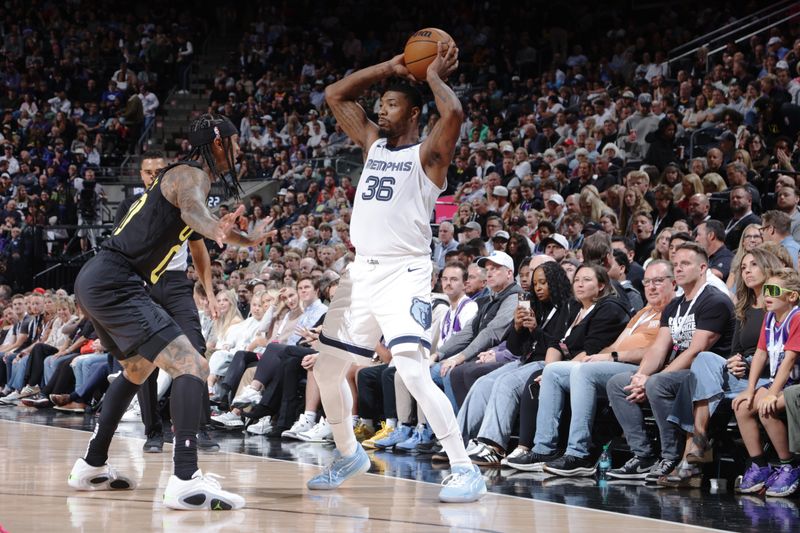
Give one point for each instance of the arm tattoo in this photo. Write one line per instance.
(188, 193)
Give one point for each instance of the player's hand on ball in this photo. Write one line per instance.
(446, 61)
(399, 67)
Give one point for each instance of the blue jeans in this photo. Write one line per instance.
(444, 383)
(84, 365)
(16, 378)
(584, 382)
(492, 404)
(709, 380)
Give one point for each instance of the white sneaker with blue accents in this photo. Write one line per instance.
(342, 469)
(464, 484)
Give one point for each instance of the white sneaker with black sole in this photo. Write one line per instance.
(86, 477)
(201, 493)
(321, 432)
(302, 424)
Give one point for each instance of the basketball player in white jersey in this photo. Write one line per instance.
(386, 290)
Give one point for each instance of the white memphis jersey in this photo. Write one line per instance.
(393, 204)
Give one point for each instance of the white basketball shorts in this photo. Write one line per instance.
(380, 296)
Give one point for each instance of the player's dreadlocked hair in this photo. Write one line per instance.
(202, 133)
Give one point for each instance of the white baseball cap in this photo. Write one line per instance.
(556, 238)
(498, 258)
(557, 199)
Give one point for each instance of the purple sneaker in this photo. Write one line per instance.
(784, 482)
(754, 479)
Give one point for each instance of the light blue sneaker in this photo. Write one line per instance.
(342, 469)
(464, 484)
(422, 435)
(400, 434)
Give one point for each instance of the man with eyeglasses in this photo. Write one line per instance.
(776, 227)
(585, 379)
(700, 320)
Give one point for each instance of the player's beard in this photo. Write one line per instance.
(384, 133)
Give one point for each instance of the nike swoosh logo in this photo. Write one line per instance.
(414, 269)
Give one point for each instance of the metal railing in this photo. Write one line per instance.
(718, 39)
(726, 29)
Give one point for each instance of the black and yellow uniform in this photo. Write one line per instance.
(112, 286)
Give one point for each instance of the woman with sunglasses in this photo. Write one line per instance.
(778, 348)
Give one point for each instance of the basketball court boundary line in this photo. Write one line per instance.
(488, 493)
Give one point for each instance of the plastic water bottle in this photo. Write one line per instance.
(604, 465)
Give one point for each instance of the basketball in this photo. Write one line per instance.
(421, 50)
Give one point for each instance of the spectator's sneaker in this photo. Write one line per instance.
(432, 447)
(754, 478)
(249, 396)
(422, 434)
(464, 484)
(516, 453)
(39, 403)
(262, 427)
(685, 475)
(400, 434)
(28, 391)
(205, 443)
(321, 432)
(85, 477)
(303, 424)
(440, 456)
(485, 455)
(11, 398)
(664, 467)
(363, 432)
(635, 468)
(473, 445)
(201, 493)
(530, 461)
(382, 433)
(342, 469)
(228, 420)
(784, 482)
(133, 413)
(571, 466)
(154, 443)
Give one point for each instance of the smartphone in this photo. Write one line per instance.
(525, 304)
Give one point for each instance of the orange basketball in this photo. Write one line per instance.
(421, 50)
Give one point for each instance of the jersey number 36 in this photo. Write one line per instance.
(379, 188)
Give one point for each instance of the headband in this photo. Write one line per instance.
(221, 128)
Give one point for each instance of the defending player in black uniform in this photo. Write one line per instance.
(139, 333)
(173, 292)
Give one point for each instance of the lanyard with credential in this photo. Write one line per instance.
(546, 321)
(578, 319)
(680, 321)
(642, 319)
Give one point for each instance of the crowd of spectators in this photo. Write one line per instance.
(79, 83)
(642, 210)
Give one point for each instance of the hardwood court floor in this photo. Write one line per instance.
(34, 495)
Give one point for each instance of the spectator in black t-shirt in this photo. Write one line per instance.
(700, 320)
(711, 236)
